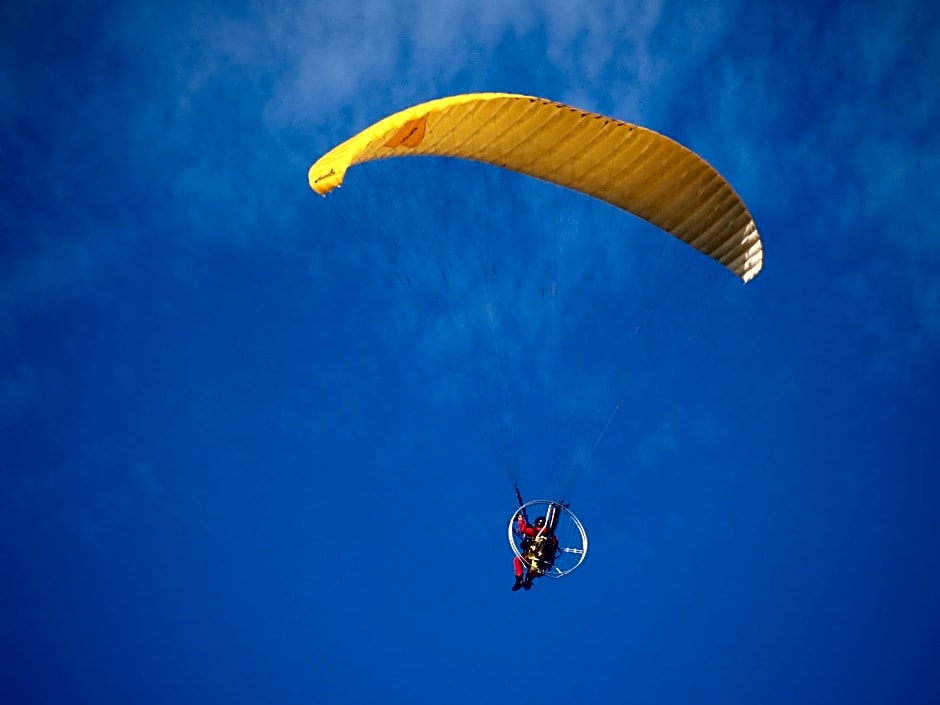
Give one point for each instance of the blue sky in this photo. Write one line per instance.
(250, 446)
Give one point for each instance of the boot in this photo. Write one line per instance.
(518, 584)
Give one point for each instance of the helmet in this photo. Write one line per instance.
(540, 522)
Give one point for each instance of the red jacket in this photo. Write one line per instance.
(531, 530)
(527, 529)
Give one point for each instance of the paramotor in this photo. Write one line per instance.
(549, 558)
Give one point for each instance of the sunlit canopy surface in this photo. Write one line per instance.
(631, 167)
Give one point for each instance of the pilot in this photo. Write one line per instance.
(538, 546)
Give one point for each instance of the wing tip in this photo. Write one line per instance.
(323, 181)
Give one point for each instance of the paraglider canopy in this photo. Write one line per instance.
(631, 167)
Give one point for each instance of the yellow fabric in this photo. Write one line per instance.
(631, 167)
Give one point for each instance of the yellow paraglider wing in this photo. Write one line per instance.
(631, 167)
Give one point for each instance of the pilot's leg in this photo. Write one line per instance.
(517, 569)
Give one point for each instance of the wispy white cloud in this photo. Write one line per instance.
(362, 59)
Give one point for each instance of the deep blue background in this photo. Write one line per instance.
(243, 462)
